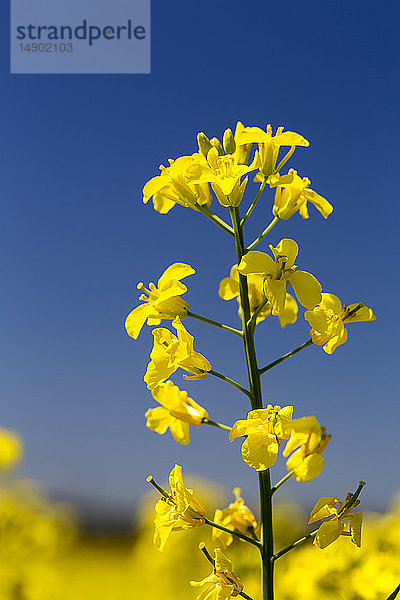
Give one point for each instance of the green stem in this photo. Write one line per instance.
(294, 545)
(216, 220)
(282, 481)
(264, 233)
(254, 203)
(253, 320)
(267, 543)
(232, 382)
(216, 424)
(286, 356)
(233, 532)
(215, 323)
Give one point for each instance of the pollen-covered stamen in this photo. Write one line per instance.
(140, 286)
(225, 166)
(152, 293)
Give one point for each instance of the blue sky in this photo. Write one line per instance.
(75, 239)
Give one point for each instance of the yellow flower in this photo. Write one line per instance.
(11, 449)
(337, 519)
(328, 321)
(222, 583)
(292, 194)
(224, 166)
(177, 411)
(171, 352)
(236, 517)
(224, 174)
(229, 288)
(310, 439)
(177, 510)
(175, 185)
(281, 272)
(161, 302)
(269, 146)
(264, 428)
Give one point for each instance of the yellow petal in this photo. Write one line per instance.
(154, 185)
(163, 202)
(363, 314)
(324, 207)
(136, 319)
(288, 248)
(328, 532)
(259, 451)
(355, 528)
(303, 429)
(305, 469)
(288, 314)
(331, 302)
(228, 288)
(221, 562)
(256, 262)
(307, 288)
(164, 524)
(175, 271)
(275, 290)
(158, 419)
(180, 431)
(335, 341)
(318, 318)
(290, 138)
(239, 429)
(323, 508)
(252, 135)
(283, 423)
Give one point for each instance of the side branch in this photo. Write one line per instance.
(215, 323)
(232, 382)
(254, 203)
(286, 356)
(264, 233)
(216, 220)
(234, 532)
(294, 545)
(216, 424)
(281, 482)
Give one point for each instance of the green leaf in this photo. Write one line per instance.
(393, 596)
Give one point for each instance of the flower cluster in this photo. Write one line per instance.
(261, 282)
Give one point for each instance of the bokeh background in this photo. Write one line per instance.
(75, 239)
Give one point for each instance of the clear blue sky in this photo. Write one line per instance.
(75, 239)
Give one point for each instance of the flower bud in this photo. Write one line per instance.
(218, 146)
(229, 142)
(204, 143)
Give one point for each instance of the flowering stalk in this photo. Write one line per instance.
(264, 233)
(246, 538)
(255, 201)
(286, 356)
(215, 323)
(305, 538)
(267, 542)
